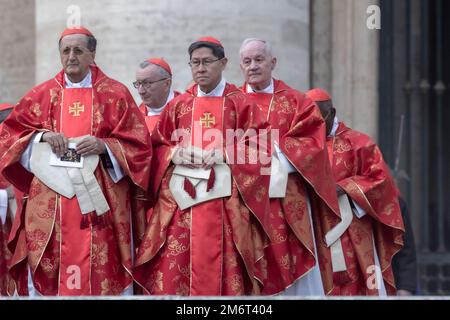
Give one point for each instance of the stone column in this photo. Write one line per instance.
(129, 32)
(352, 75)
(17, 43)
(320, 63)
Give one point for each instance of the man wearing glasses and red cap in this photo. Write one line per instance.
(154, 85)
(207, 229)
(75, 145)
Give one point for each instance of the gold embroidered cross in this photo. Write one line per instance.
(207, 120)
(76, 109)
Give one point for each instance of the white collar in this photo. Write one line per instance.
(157, 111)
(216, 92)
(85, 83)
(269, 89)
(335, 127)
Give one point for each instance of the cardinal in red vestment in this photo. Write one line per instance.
(154, 85)
(303, 188)
(209, 222)
(75, 244)
(375, 233)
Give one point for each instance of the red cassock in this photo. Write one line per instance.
(358, 167)
(301, 132)
(47, 234)
(211, 248)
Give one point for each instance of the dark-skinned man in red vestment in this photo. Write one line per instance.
(375, 230)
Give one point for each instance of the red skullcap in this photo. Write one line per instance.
(76, 30)
(162, 63)
(210, 40)
(318, 95)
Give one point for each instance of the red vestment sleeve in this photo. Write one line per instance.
(130, 147)
(372, 187)
(26, 119)
(304, 144)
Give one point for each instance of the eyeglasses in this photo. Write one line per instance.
(206, 62)
(146, 84)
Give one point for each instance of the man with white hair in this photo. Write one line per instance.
(301, 185)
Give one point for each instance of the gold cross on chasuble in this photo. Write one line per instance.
(207, 120)
(76, 109)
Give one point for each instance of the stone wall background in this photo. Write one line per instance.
(17, 49)
(129, 32)
(322, 43)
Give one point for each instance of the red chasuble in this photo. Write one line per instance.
(213, 247)
(6, 282)
(142, 201)
(301, 133)
(46, 235)
(76, 120)
(207, 217)
(358, 167)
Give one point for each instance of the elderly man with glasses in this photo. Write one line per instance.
(154, 84)
(207, 229)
